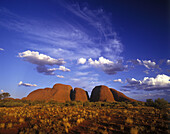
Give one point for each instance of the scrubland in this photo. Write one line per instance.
(25, 117)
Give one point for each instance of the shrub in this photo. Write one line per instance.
(135, 103)
(149, 102)
(87, 103)
(161, 103)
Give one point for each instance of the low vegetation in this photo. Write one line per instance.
(21, 116)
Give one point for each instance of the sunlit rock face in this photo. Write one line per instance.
(118, 96)
(102, 93)
(62, 92)
(59, 93)
(79, 95)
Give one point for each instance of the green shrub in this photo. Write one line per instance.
(149, 102)
(161, 103)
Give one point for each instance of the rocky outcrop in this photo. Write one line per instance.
(79, 95)
(63, 93)
(59, 92)
(118, 96)
(101, 93)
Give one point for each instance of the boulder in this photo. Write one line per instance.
(101, 93)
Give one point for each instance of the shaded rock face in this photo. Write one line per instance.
(118, 96)
(79, 95)
(59, 92)
(102, 93)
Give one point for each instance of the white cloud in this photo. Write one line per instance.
(63, 68)
(107, 66)
(35, 57)
(149, 64)
(26, 84)
(1, 49)
(139, 62)
(45, 70)
(2, 91)
(168, 62)
(60, 76)
(118, 80)
(133, 81)
(101, 61)
(81, 61)
(160, 82)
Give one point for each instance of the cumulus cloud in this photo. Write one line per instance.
(81, 61)
(63, 68)
(160, 82)
(60, 76)
(118, 80)
(101, 61)
(42, 60)
(1, 49)
(26, 84)
(147, 63)
(107, 66)
(35, 57)
(133, 81)
(168, 62)
(45, 70)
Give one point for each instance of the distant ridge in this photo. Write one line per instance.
(63, 93)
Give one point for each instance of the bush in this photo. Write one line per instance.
(149, 102)
(161, 103)
(86, 104)
(11, 103)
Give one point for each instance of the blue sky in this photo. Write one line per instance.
(118, 43)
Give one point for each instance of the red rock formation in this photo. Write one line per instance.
(62, 92)
(102, 93)
(120, 96)
(80, 95)
(40, 94)
(59, 92)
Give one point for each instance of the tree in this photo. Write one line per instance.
(1, 96)
(149, 102)
(161, 103)
(4, 95)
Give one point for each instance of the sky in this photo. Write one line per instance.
(85, 43)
